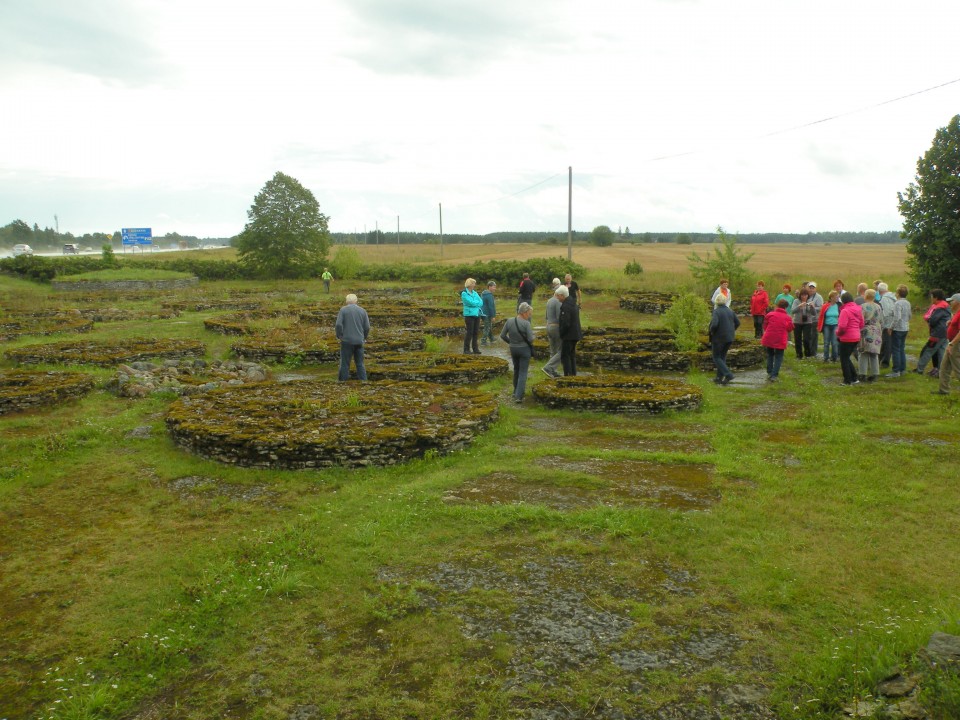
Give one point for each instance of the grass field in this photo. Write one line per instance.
(773, 554)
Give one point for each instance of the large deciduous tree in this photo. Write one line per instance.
(930, 207)
(602, 236)
(287, 235)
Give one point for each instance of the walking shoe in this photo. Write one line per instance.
(939, 392)
(894, 374)
(547, 372)
(726, 380)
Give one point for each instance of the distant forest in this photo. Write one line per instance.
(379, 237)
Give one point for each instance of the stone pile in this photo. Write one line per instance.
(317, 424)
(183, 377)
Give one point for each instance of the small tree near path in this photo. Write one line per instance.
(287, 235)
(727, 262)
(930, 207)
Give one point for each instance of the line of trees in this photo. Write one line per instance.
(19, 232)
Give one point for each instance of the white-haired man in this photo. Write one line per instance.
(352, 328)
(560, 293)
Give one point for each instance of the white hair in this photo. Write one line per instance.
(722, 299)
(351, 299)
(523, 308)
(563, 291)
(556, 281)
(883, 287)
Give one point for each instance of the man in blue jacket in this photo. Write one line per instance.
(488, 312)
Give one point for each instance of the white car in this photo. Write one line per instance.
(22, 250)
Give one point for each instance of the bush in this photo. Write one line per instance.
(726, 262)
(346, 263)
(633, 268)
(688, 318)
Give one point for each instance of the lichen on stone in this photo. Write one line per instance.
(27, 389)
(435, 367)
(105, 353)
(623, 394)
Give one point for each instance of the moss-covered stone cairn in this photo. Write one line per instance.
(436, 367)
(105, 353)
(318, 424)
(308, 345)
(651, 303)
(183, 377)
(14, 327)
(633, 395)
(27, 389)
(651, 350)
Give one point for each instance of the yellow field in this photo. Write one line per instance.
(851, 263)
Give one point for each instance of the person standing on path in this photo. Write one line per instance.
(777, 326)
(887, 303)
(759, 304)
(526, 290)
(849, 325)
(570, 331)
(723, 331)
(901, 327)
(553, 332)
(519, 334)
(327, 278)
(488, 312)
(574, 288)
(352, 328)
(472, 304)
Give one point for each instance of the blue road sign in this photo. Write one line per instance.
(136, 236)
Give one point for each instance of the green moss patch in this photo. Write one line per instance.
(25, 390)
(319, 424)
(311, 345)
(433, 367)
(627, 394)
(105, 353)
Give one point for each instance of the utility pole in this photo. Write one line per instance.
(398, 231)
(441, 229)
(377, 231)
(570, 213)
(56, 222)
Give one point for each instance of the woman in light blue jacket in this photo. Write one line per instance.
(472, 303)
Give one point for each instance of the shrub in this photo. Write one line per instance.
(688, 317)
(346, 263)
(727, 262)
(633, 268)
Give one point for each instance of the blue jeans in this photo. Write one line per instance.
(719, 352)
(899, 356)
(831, 346)
(354, 352)
(521, 363)
(774, 361)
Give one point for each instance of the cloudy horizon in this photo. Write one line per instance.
(675, 115)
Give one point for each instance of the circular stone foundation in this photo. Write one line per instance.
(434, 367)
(25, 390)
(626, 394)
(317, 424)
(15, 326)
(105, 353)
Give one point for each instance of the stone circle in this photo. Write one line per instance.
(317, 424)
(105, 353)
(27, 389)
(435, 367)
(624, 394)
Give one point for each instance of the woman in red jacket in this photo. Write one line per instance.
(849, 325)
(777, 326)
(759, 304)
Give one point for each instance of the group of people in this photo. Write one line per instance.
(562, 324)
(863, 332)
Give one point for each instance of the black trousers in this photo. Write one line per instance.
(568, 356)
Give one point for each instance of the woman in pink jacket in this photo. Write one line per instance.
(849, 325)
(777, 326)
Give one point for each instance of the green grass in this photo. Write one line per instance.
(253, 592)
(125, 273)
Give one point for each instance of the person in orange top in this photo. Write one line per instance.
(759, 304)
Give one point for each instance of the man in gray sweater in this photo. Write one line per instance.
(353, 326)
(553, 329)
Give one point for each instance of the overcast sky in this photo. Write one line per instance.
(676, 115)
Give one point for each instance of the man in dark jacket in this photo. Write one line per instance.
(526, 291)
(570, 330)
(723, 330)
(352, 328)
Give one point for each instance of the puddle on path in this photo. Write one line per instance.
(611, 483)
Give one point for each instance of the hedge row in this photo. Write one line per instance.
(507, 272)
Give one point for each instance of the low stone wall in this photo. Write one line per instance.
(183, 377)
(312, 346)
(317, 424)
(122, 285)
(15, 326)
(105, 353)
(27, 390)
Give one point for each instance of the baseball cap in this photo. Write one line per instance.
(954, 298)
